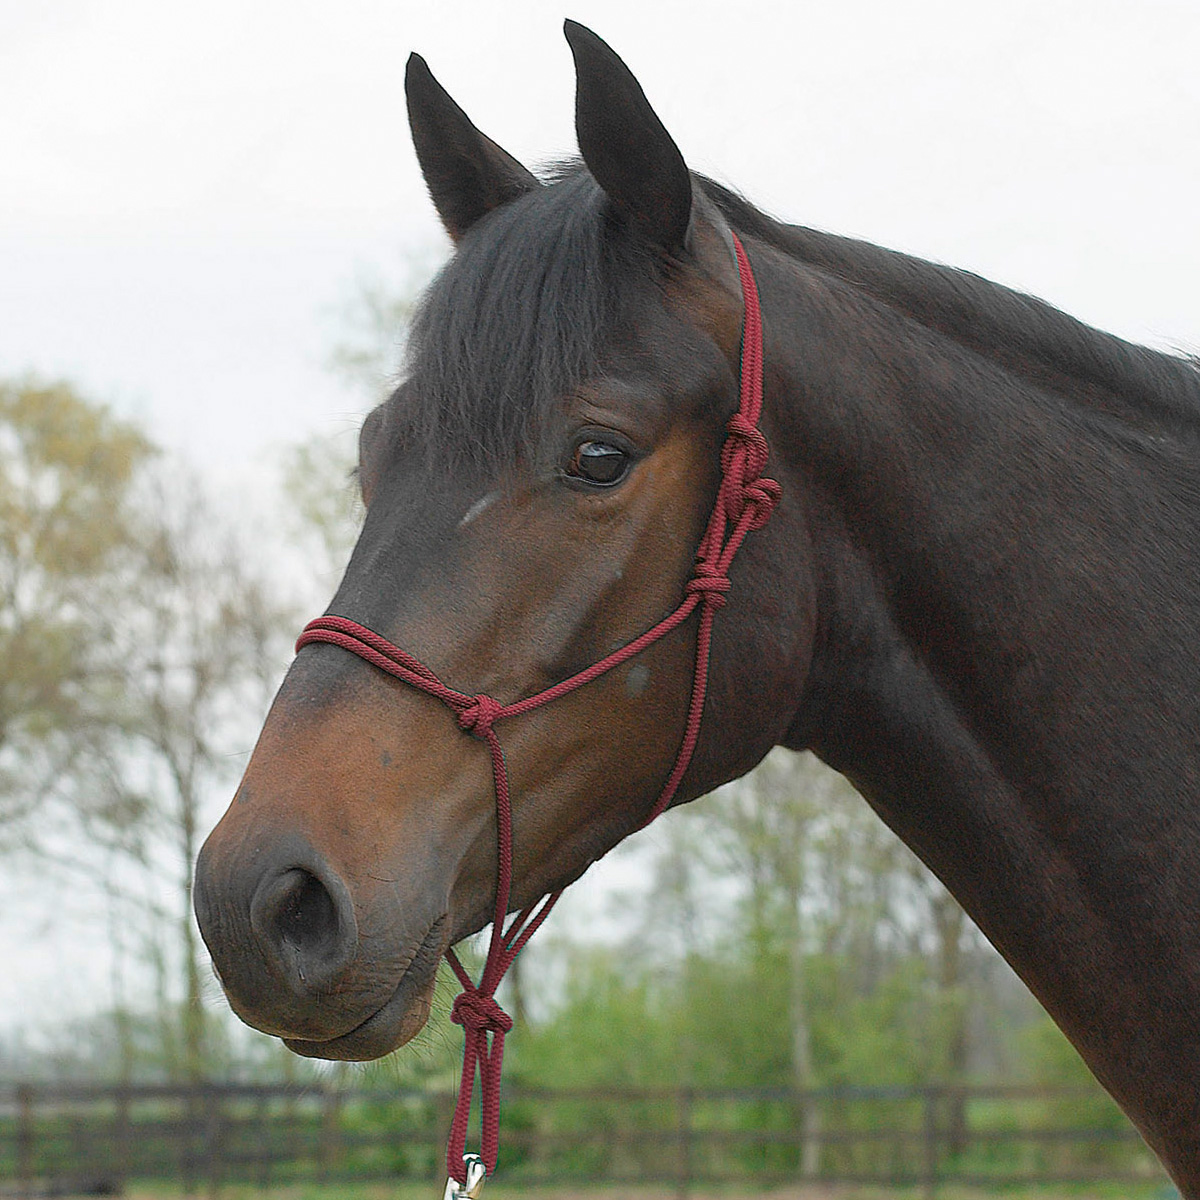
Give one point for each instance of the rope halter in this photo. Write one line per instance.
(745, 501)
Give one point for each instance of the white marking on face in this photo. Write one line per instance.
(636, 680)
(477, 508)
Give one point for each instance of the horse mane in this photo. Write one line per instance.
(518, 318)
(1026, 336)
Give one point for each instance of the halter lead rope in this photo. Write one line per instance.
(745, 501)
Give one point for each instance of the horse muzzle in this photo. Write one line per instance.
(289, 949)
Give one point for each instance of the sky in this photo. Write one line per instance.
(191, 196)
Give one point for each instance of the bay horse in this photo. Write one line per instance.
(978, 598)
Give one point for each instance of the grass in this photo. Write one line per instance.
(498, 1191)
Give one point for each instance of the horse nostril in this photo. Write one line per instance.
(307, 925)
(307, 916)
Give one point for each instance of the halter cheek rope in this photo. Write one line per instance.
(745, 500)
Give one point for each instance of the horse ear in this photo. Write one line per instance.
(625, 145)
(467, 173)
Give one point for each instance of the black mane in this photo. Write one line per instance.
(1026, 336)
(518, 318)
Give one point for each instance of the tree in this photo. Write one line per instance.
(205, 639)
(321, 494)
(67, 524)
(318, 474)
(765, 828)
(790, 939)
(135, 652)
(139, 647)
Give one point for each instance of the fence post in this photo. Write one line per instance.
(213, 1145)
(25, 1138)
(330, 1143)
(121, 1150)
(189, 1109)
(931, 1143)
(258, 1127)
(444, 1115)
(684, 1109)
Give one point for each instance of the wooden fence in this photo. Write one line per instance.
(57, 1138)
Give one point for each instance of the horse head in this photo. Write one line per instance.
(535, 493)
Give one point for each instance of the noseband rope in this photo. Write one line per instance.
(745, 500)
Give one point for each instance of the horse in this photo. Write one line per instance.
(978, 597)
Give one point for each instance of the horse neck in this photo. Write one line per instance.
(987, 555)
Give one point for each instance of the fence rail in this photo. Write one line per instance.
(56, 1137)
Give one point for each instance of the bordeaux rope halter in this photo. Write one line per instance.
(745, 501)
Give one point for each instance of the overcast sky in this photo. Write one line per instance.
(190, 195)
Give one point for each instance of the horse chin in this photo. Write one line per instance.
(397, 1021)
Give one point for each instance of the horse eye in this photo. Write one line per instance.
(599, 463)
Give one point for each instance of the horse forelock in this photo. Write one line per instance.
(515, 323)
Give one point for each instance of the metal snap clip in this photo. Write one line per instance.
(476, 1174)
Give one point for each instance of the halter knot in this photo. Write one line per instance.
(709, 584)
(745, 451)
(479, 716)
(743, 458)
(762, 496)
(479, 1013)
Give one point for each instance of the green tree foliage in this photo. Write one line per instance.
(1049, 1058)
(139, 645)
(786, 939)
(67, 527)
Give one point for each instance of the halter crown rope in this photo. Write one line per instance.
(745, 501)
